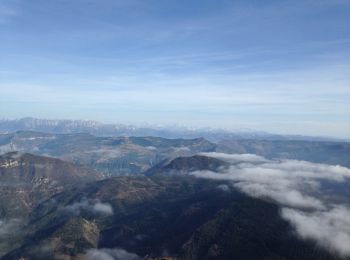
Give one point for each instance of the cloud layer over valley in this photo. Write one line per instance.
(312, 196)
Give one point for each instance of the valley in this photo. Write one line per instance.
(186, 204)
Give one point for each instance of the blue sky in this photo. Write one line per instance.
(277, 66)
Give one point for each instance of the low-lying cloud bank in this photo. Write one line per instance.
(297, 186)
(331, 229)
(111, 254)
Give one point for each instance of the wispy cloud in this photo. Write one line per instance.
(7, 11)
(330, 228)
(94, 206)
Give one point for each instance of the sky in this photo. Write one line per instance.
(276, 66)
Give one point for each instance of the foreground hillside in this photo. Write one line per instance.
(182, 217)
(27, 180)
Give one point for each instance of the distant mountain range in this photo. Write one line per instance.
(100, 129)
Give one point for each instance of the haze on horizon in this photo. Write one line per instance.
(276, 66)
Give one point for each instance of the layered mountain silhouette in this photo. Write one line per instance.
(75, 195)
(134, 155)
(185, 165)
(110, 155)
(71, 212)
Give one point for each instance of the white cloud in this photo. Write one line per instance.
(111, 254)
(235, 158)
(297, 187)
(95, 206)
(285, 197)
(181, 149)
(104, 208)
(330, 229)
(223, 187)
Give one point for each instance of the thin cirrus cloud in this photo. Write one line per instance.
(7, 12)
(296, 186)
